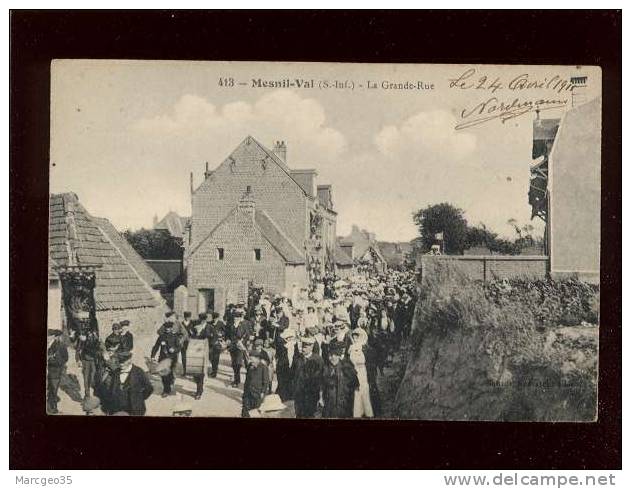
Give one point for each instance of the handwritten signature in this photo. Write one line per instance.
(506, 108)
(494, 109)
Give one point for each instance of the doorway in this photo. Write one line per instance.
(206, 301)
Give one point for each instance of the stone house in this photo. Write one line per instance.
(173, 224)
(256, 223)
(121, 285)
(367, 254)
(395, 253)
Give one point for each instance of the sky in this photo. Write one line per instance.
(125, 135)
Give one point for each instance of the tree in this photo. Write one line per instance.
(480, 236)
(442, 218)
(154, 244)
(525, 236)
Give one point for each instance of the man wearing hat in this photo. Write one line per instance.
(57, 355)
(256, 384)
(307, 378)
(113, 340)
(216, 342)
(341, 335)
(286, 347)
(187, 326)
(125, 389)
(127, 339)
(200, 331)
(239, 336)
(180, 332)
(339, 382)
(168, 344)
(88, 356)
(257, 346)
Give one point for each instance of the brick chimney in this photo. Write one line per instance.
(246, 203)
(280, 150)
(306, 179)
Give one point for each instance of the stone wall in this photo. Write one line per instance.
(143, 320)
(487, 267)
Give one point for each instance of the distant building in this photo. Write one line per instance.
(565, 189)
(173, 224)
(257, 223)
(344, 263)
(366, 252)
(89, 259)
(395, 254)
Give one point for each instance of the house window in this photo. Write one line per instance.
(257, 254)
(219, 253)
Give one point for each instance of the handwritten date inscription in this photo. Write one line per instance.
(497, 108)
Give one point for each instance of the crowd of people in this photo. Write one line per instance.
(322, 348)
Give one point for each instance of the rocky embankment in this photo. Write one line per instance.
(506, 351)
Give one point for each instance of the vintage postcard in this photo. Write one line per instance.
(324, 240)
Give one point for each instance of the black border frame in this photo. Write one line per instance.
(526, 37)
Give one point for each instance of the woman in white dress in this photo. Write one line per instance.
(362, 406)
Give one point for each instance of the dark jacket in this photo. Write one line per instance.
(168, 344)
(88, 349)
(284, 373)
(241, 333)
(338, 389)
(178, 329)
(57, 358)
(201, 335)
(126, 342)
(307, 379)
(216, 335)
(256, 385)
(113, 341)
(129, 396)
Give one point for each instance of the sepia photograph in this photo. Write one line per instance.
(324, 240)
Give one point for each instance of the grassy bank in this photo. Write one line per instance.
(518, 350)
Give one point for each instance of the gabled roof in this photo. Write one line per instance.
(135, 260)
(76, 238)
(270, 155)
(277, 238)
(375, 251)
(270, 231)
(173, 223)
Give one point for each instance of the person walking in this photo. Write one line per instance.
(57, 357)
(256, 384)
(339, 382)
(239, 338)
(307, 378)
(125, 388)
(126, 337)
(216, 343)
(168, 345)
(200, 331)
(88, 357)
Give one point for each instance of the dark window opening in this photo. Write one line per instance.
(257, 254)
(219, 253)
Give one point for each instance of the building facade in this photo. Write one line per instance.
(565, 190)
(365, 251)
(257, 223)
